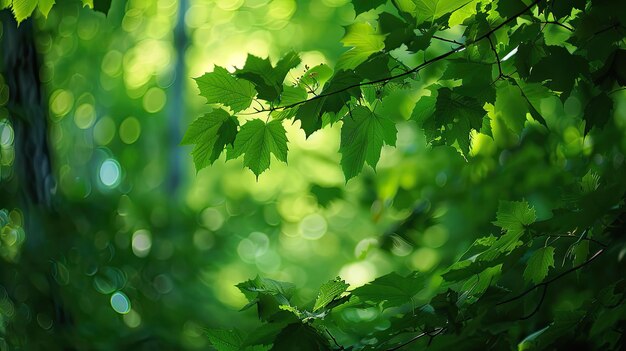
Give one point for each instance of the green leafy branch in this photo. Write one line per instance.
(23, 9)
(363, 134)
(430, 334)
(461, 47)
(545, 284)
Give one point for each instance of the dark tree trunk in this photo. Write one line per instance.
(27, 111)
(35, 183)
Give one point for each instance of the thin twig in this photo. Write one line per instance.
(402, 64)
(447, 40)
(560, 25)
(333, 339)
(436, 332)
(543, 296)
(615, 25)
(585, 238)
(413, 70)
(532, 288)
(493, 48)
(616, 90)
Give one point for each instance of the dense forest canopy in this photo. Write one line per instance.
(312, 175)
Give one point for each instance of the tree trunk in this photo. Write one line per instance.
(34, 184)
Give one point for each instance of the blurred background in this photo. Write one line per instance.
(144, 252)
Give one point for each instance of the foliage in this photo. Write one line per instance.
(508, 85)
(493, 217)
(23, 9)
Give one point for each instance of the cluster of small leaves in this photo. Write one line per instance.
(470, 298)
(504, 85)
(22, 9)
(318, 98)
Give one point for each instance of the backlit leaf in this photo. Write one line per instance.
(211, 133)
(221, 87)
(257, 140)
(392, 288)
(226, 340)
(328, 292)
(363, 135)
(22, 9)
(364, 40)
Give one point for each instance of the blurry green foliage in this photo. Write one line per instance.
(497, 219)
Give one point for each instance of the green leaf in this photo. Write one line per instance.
(509, 8)
(260, 72)
(45, 6)
(290, 96)
(465, 269)
(257, 140)
(598, 112)
(211, 133)
(291, 309)
(514, 215)
(539, 264)
(392, 288)
(267, 79)
(531, 341)
(328, 292)
(580, 251)
(5, 4)
(282, 291)
(565, 322)
(221, 87)
(361, 6)
(285, 64)
(301, 337)
(430, 10)
(226, 340)
(364, 40)
(559, 69)
(22, 9)
(340, 89)
(459, 16)
(101, 6)
(511, 107)
(326, 195)
(475, 287)
(375, 67)
(455, 115)
(396, 31)
(363, 135)
(310, 115)
(404, 6)
(476, 78)
(424, 108)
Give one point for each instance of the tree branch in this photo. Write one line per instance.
(546, 283)
(543, 297)
(334, 340)
(447, 40)
(419, 67)
(431, 334)
(575, 237)
(560, 25)
(493, 48)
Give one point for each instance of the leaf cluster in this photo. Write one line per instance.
(503, 84)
